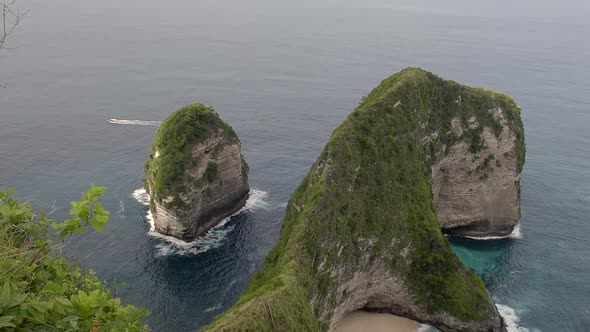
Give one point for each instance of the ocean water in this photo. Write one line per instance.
(88, 81)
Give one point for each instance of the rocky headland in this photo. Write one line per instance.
(196, 175)
(361, 232)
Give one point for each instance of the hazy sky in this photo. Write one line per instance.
(552, 9)
(525, 8)
(563, 11)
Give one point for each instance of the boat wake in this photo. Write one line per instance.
(511, 319)
(145, 123)
(211, 240)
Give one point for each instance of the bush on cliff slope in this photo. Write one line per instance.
(39, 289)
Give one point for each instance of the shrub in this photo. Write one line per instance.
(39, 289)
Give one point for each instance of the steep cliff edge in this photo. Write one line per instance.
(196, 175)
(476, 177)
(361, 231)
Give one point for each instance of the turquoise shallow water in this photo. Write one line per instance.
(285, 75)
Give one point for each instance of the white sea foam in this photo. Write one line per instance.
(516, 234)
(215, 308)
(121, 211)
(212, 239)
(141, 196)
(146, 123)
(511, 319)
(426, 328)
(257, 200)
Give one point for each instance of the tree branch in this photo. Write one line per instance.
(10, 19)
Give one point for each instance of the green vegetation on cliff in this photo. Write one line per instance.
(369, 193)
(39, 289)
(172, 148)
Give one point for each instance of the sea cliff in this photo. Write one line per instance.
(361, 231)
(476, 176)
(196, 175)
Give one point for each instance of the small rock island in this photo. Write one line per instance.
(363, 230)
(196, 175)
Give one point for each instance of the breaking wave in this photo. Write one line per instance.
(211, 240)
(510, 318)
(516, 234)
(141, 196)
(146, 123)
(426, 328)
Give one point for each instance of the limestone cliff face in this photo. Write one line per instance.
(374, 287)
(477, 193)
(361, 231)
(196, 175)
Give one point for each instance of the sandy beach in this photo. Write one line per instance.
(362, 321)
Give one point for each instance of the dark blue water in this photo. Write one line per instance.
(285, 75)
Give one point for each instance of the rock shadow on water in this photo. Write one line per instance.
(216, 274)
(186, 279)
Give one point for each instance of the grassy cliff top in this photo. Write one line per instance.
(174, 140)
(436, 102)
(369, 195)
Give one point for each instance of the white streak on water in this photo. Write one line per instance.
(146, 123)
(215, 308)
(511, 319)
(212, 239)
(121, 211)
(229, 285)
(516, 234)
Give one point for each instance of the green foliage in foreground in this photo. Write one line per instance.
(369, 193)
(39, 289)
(174, 139)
